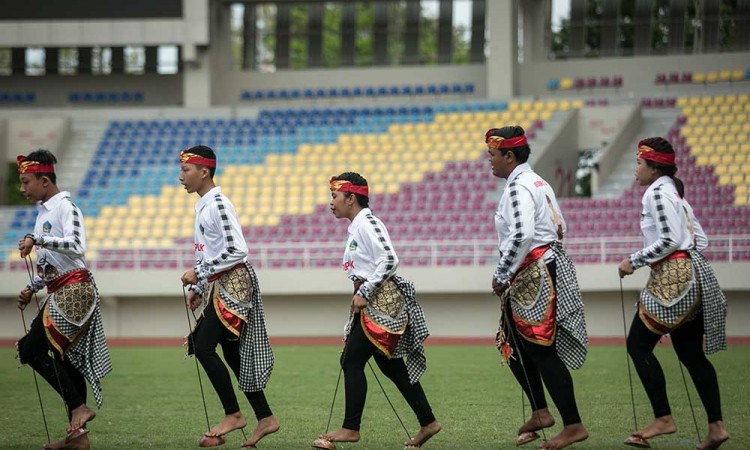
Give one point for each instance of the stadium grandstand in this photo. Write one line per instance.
(290, 93)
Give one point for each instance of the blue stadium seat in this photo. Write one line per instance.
(73, 97)
(469, 88)
(246, 95)
(553, 84)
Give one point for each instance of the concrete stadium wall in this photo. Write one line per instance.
(457, 301)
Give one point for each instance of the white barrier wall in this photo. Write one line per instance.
(457, 301)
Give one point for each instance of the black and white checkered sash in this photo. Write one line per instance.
(572, 338)
(256, 355)
(88, 353)
(411, 343)
(714, 304)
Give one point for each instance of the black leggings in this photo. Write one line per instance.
(209, 333)
(33, 349)
(533, 363)
(357, 352)
(687, 340)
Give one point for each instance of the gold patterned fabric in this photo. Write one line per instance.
(670, 280)
(388, 299)
(236, 284)
(526, 285)
(75, 302)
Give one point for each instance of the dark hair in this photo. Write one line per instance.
(357, 180)
(206, 152)
(43, 156)
(661, 145)
(522, 153)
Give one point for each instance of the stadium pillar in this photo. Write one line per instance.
(84, 60)
(502, 62)
(51, 60)
(18, 60)
(118, 59)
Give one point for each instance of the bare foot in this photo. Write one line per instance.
(79, 442)
(660, 425)
(569, 435)
(541, 418)
(424, 435)
(342, 435)
(717, 435)
(80, 416)
(266, 426)
(230, 422)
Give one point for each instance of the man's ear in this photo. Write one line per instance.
(45, 180)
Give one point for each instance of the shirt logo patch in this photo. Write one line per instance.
(46, 227)
(353, 246)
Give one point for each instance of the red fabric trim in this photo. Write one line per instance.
(544, 333)
(59, 341)
(76, 276)
(25, 166)
(383, 340)
(679, 254)
(216, 276)
(645, 152)
(230, 318)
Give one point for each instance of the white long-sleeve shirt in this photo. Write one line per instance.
(369, 254)
(668, 224)
(219, 243)
(60, 238)
(527, 216)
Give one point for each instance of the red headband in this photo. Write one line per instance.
(498, 142)
(25, 166)
(646, 152)
(347, 186)
(192, 158)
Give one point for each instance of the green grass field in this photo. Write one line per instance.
(152, 400)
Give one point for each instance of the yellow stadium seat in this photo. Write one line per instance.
(566, 83)
(738, 75)
(725, 179)
(732, 169)
(692, 141)
(715, 160)
(702, 160)
(527, 106)
(577, 103)
(725, 108)
(728, 159)
(740, 201)
(743, 98)
(730, 138)
(690, 112)
(712, 110)
(699, 77)
(705, 140)
(712, 77)
(741, 190)
(682, 102)
(695, 100)
(738, 178)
